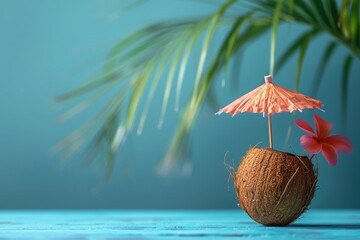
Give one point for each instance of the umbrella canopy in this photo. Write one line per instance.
(270, 98)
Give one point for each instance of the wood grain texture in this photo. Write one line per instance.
(234, 224)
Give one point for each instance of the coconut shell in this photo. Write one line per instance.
(274, 188)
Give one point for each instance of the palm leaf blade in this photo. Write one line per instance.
(345, 85)
(303, 49)
(164, 49)
(329, 51)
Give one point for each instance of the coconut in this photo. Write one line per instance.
(274, 188)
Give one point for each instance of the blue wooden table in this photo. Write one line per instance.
(315, 224)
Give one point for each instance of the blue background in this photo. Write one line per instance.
(49, 47)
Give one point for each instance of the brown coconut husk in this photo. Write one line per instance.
(274, 188)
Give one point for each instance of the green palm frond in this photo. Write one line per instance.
(345, 84)
(137, 65)
(330, 49)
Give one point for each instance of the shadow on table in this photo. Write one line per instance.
(329, 226)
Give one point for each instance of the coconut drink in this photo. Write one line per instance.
(273, 187)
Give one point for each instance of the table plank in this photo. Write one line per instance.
(315, 224)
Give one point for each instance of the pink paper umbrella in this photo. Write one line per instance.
(268, 99)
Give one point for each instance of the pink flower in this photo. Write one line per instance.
(322, 141)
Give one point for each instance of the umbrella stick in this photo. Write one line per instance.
(270, 131)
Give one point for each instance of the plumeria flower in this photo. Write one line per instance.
(322, 141)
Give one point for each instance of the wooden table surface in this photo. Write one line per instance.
(115, 224)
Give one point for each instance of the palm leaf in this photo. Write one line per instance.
(170, 80)
(332, 13)
(159, 72)
(144, 57)
(214, 21)
(354, 21)
(180, 141)
(303, 49)
(185, 59)
(330, 49)
(345, 85)
(291, 50)
(234, 33)
(274, 34)
(320, 14)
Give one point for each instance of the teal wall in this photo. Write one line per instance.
(49, 47)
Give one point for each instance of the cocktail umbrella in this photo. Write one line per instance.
(268, 99)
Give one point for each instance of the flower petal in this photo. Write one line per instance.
(329, 152)
(310, 145)
(323, 127)
(340, 142)
(301, 123)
